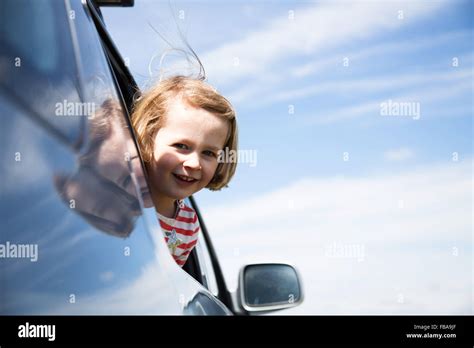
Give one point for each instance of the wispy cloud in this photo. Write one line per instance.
(332, 24)
(375, 84)
(380, 49)
(435, 95)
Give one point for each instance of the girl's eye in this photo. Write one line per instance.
(209, 153)
(180, 146)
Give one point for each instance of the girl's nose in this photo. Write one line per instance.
(192, 161)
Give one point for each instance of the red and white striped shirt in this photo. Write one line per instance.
(181, 233)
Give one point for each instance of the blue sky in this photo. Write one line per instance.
(404, 192)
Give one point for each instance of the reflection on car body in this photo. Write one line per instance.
(101, 189)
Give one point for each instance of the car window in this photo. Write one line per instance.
(74, 238)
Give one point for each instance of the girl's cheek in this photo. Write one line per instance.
(211, 175)
(213, 169)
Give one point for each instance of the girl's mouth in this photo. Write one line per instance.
(184, 178)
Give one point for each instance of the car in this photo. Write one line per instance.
(76, 236)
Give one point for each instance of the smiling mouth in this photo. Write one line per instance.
(184, 178)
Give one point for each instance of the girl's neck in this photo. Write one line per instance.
(167, 208)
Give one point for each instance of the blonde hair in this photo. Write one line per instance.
(150, 111)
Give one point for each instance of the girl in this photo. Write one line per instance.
(182, 124)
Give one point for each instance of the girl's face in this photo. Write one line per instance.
(185, 153)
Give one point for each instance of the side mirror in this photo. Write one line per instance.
(269, 287)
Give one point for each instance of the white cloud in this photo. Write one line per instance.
(410, 224)
(400, 154)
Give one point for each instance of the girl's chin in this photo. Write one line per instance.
(173, 192)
